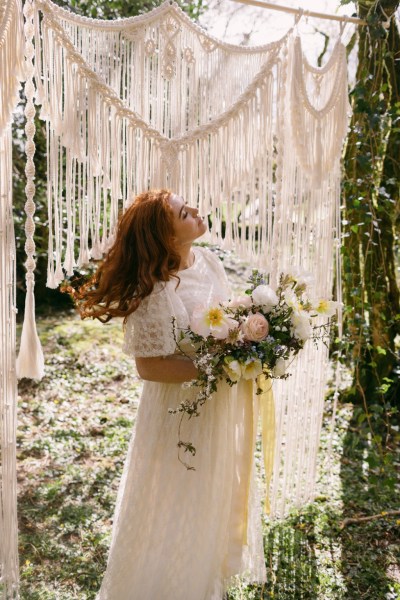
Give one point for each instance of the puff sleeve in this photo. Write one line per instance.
(149, 331)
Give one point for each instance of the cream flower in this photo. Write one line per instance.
(255, 327)
(300, 276)
(265, 296)
(280, 368)
(252, 368)
(325, 307)
(244, 301)
(212, 320)
(235, 336)
(232, 368)
(301, 325)
(292, 300)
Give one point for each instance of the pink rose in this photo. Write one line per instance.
(255, 327)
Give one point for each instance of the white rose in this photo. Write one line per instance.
(240, 301)
(265, 296)
(280, 368)
(301, 326)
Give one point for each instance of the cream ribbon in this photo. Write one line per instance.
(265, 407)
(267, 410)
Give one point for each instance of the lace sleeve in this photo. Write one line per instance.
(149, 330)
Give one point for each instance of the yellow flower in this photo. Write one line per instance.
(326, 307)
(252, 368)
(212, 320)
(214, 317)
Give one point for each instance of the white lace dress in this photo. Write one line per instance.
(180, 534)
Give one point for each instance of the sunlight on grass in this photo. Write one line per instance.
(73, 434)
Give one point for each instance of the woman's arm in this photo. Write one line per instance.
(168, 369)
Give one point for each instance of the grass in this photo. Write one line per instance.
(74, 428)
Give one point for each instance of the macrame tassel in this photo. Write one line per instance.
(30, 361)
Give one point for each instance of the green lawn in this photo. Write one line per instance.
(73, 433)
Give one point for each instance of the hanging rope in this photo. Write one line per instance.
(301, 12)
(12, 72)
(30, 362)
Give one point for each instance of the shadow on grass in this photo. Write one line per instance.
(291, 564)
(62, 547)
(292, 572)
(370, 550)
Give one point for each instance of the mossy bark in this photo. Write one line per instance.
(371, 191)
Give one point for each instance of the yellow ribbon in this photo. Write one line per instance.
(267, 410)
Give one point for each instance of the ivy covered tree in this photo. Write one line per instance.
(371, 188)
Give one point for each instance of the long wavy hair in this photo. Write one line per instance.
(143, 253)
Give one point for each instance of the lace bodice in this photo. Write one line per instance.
(149, 330)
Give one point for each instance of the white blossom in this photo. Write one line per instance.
(280, 368)
(301, 325)
(264, 295)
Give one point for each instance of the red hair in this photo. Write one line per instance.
(143, 253)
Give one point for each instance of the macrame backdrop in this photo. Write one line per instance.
(148, 102)
(314, 114)
(252, 136)
(11, 72)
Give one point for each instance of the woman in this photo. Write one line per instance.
(178, 534)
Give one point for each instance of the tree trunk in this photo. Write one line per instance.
(371, 190)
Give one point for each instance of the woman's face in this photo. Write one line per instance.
(188, 225)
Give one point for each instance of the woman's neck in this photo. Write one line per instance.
(187, 257)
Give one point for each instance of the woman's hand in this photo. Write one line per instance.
(168, 369)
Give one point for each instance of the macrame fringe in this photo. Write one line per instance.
(307, 233)
(143, 107)
(252, 136)
(11, 58)
(8, 382)
(11, 69)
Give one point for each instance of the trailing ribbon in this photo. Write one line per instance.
(265, 406)
(267, 411)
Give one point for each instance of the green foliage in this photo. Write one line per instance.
(74, 428)
(117, 9)
(371, 190)
(73, 435)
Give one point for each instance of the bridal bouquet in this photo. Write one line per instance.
(257, 333)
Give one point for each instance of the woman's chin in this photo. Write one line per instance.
(202, 229)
